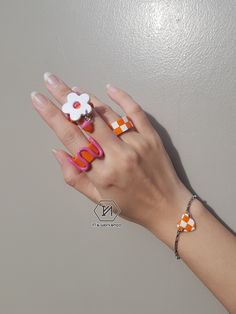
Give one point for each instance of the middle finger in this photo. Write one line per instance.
(102, 132)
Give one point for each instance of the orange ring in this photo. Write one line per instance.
(86, 155)
(121, 125)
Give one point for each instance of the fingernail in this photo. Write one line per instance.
(75, 89)
(57, 155)
(111, 88)
(39, 100)
(51, 79)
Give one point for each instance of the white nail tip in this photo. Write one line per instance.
(33, 94)
(46, 75)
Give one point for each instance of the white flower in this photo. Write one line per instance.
(77, 106)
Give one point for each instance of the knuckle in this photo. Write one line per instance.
(124, 96)
(62, 92)
(108, 178)
(155, 143)
(144, 146)
(70, 179)
(131, 158)
(51, 113)
(103, 109)
(129, 161)
(136, 108)
(106, 109)
(68, 136)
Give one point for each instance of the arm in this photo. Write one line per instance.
(209, 251)
(137, 173)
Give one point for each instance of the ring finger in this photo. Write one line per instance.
(109, 116)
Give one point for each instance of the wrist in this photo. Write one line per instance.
(164, 221)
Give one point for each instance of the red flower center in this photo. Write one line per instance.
(76, 105)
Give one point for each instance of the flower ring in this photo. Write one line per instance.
(77, 106)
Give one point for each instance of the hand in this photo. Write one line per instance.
(136, 172)
(138, 175)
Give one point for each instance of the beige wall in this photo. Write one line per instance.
(178, 59)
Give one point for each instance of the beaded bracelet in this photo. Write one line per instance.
(185, 224)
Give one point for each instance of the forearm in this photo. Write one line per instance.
(209, 251)
(141, 179)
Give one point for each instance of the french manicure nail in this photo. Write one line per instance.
(51, 79)
(111, 88)
(39, 100)
(75, 89)
(57, 155)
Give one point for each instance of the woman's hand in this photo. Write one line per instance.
(138, 175)
(136, 171)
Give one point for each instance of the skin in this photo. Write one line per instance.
(138, 175)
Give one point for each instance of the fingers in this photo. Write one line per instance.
(56, 87)
(108, 115)
(72, 136)
(103, 110)
(69, 134)
(132, 110)
(102, 133)
(78, 180)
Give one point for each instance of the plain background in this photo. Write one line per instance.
(178, 59)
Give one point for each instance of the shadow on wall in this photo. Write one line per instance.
(175, 158)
